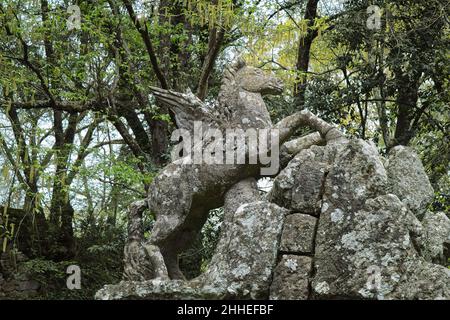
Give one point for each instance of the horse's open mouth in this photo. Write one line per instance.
(274, 89)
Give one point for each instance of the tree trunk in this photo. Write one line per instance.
(304, 51)
(407, 98)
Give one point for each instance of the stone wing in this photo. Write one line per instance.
(187, 108)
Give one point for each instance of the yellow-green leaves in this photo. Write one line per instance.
(321, 24)
(5, 172)
(203, 12)
(6, 229)
(162, 117)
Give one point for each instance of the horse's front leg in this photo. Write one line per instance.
(289, 125)
(293, 147)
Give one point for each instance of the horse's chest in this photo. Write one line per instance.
(251, 112)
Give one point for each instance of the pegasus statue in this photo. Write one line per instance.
(182, 194)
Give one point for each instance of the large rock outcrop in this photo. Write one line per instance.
(369, 242)
(408, 179)
(340, 222)
(436, 237)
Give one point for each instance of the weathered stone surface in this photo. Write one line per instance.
(298, 233)
(298, 186)
(367, 241)
(157, 289)
(380, 237)
(246, 256)
(356, 174)
(142, 260)
(291, 278)
(408, 180)
(290, 149)
(241, 268)
(436, 234)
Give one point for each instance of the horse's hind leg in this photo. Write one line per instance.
(171, 199)
(166, 236)
(169, 251)
(171, 261)
(174, 236)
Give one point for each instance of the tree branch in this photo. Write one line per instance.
(214, 44)
(143, 30)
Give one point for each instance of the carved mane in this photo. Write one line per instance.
(228, 85)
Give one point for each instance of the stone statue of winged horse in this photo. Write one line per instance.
(182, 194)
